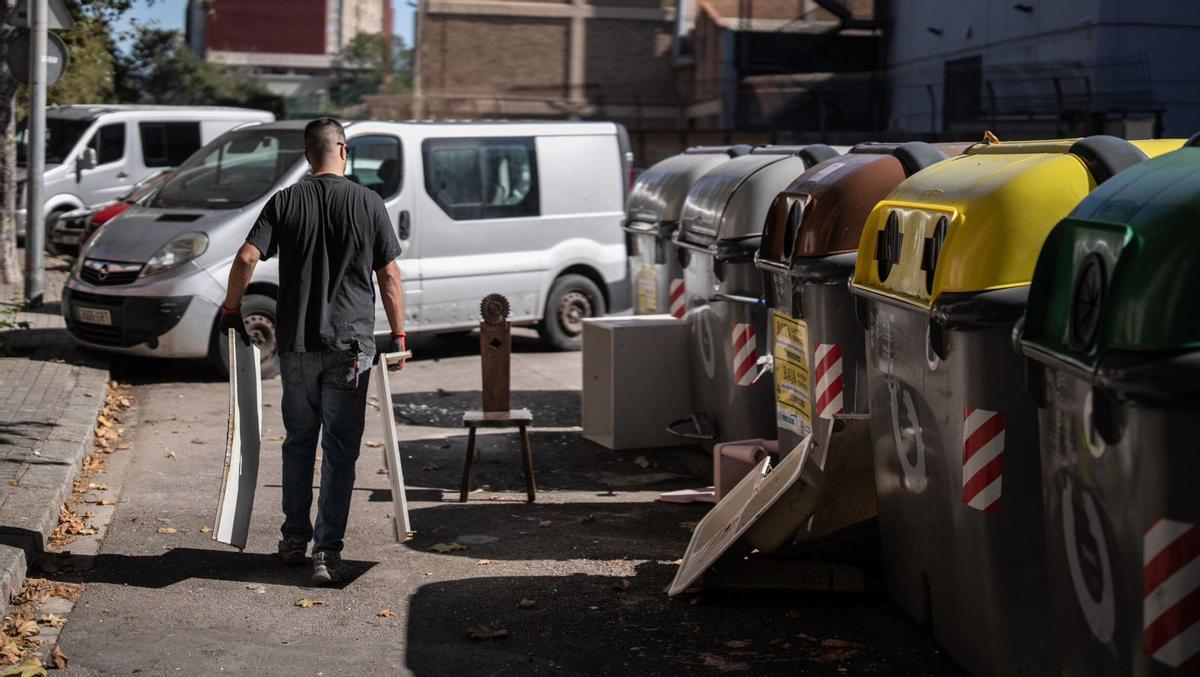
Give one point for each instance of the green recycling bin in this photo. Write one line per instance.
(809, 245)
(942, 277)
(652, 215)
(1112, 336)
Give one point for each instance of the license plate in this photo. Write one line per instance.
(93, 315)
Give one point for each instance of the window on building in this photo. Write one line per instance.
(109, 143)
(375, 163)
(168, 144)
(963, 91)
(473, 179)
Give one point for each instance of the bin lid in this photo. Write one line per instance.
(731, 200)
(1119, 273)
(659, 192)
(976, 222)
(823, 210)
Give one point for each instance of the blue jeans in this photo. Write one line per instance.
(321, 398)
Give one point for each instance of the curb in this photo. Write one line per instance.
(29, 512)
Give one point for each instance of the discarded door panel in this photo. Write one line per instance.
(242, 445)
(766, 508)
(391, 446)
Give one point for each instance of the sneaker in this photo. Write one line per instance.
(326, 567)
(292, 550)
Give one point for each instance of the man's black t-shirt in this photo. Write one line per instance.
(331, 235)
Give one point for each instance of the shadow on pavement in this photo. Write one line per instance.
(584, 624)
(180, 564)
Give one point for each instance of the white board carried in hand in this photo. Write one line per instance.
(242, 445)
(391, 446)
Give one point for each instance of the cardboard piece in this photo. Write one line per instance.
(391, 445)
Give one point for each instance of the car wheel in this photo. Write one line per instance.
(572, 299)
(258, 312)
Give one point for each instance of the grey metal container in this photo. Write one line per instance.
(652, 216)
(720, 229)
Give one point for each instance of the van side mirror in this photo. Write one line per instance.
(87, 159)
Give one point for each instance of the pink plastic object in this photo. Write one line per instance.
(732, 460)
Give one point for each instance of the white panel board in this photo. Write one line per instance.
(242, 445)
(391, 445)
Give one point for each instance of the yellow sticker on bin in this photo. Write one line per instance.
(793, 399)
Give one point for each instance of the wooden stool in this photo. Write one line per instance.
(521, 418)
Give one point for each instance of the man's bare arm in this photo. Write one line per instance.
(391, 292)
(240, 274)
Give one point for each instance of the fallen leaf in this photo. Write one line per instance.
(306, 602)
(30, 668)
(545, 523)
(167, 530)
(10, 652)
(526, 604)
(481, 632)
(52, 620)
(428, 573)
(385, 613)
(58, 659)
(124, 446)
(104, 501)
(205, 530)
(641, 462)
(483, 562)
(27, 628)
(374, 444)
(724, 665)
(381, 471)
(97, 487)
(622, 584)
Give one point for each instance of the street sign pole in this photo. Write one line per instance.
(35, 227)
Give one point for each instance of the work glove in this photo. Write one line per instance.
(396, 345)
(231, 318)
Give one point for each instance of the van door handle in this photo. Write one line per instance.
(122, 175)
(402, 227)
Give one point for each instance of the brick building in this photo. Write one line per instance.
(651, 64)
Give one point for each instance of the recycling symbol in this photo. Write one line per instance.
(908, 439)
(1087, 559)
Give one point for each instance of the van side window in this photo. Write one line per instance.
(109, 143)
(472, 179)
(375, 163)
(168, 144)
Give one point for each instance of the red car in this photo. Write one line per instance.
(73, 228)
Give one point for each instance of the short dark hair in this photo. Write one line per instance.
(321, 137)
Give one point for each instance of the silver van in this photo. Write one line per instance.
(96, 153)
(529, 210)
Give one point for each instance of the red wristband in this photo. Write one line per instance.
(226, 310)
(399, 334)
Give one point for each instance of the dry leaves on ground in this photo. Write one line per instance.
(374, 444)
(482, 632)
(381, 471)
(526, 604)
(57, 658)
(35, 591)
(306, 602)
(545, 524)
(167, 530)
(30, 668)
(385, 613)
(52, 620)
(483, 562)
(70, 525)
(206, 530)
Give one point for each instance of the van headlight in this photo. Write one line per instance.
(175, 253)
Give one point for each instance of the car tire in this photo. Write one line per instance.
(258, 311)
(572, 298)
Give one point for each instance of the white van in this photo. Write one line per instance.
(529, 210)
(96, 153)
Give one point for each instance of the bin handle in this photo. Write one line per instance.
(737, 298)
(699, 433)
(766, 364)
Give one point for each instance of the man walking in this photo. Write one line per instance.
(330, 235)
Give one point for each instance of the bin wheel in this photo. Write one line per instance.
(917, 155)
(572, 299)
(258, 311)
(1105, 155)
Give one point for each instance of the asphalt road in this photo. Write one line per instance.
(593, 554)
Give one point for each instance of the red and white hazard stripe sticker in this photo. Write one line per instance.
(983, 458)
(675, 301)
(830, 383)
(1171, 608)
(745, 354)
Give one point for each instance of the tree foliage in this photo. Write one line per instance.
(365, 66)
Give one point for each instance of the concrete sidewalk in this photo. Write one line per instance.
(50, 394)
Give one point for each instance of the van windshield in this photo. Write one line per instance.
(61, 136)
(233, 171)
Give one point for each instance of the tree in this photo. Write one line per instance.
(366, 67)
(162, 69)
(10, 271)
